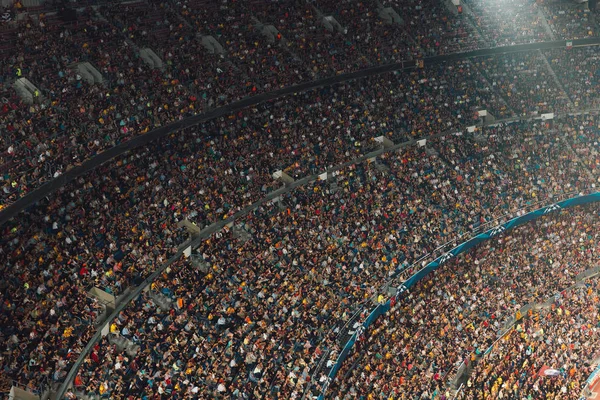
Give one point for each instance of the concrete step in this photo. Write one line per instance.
(124, 345)
(161, 300)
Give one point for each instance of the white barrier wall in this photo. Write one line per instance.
(20, 394)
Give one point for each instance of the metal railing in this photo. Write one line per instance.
(405, 272)
(342, 337)
(460, 388)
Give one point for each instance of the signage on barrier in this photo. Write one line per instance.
(497, 230)
(551, 208)
(446, 257)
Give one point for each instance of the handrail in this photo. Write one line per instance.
(73, 172)
(221, 223)
(360, 308)
(460, 388)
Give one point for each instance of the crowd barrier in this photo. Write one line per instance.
(76, 171)
(403, 288)
(591, 381)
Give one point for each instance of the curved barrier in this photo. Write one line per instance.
(76, 171)
(405, 272)
(441, 260)
(591, 381)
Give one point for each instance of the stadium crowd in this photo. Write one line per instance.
(116, 226)
(72, 120)
(113, 227)
(439, 221)
(412, 355)
(135, 206)
(508, 22)
(545, 355)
